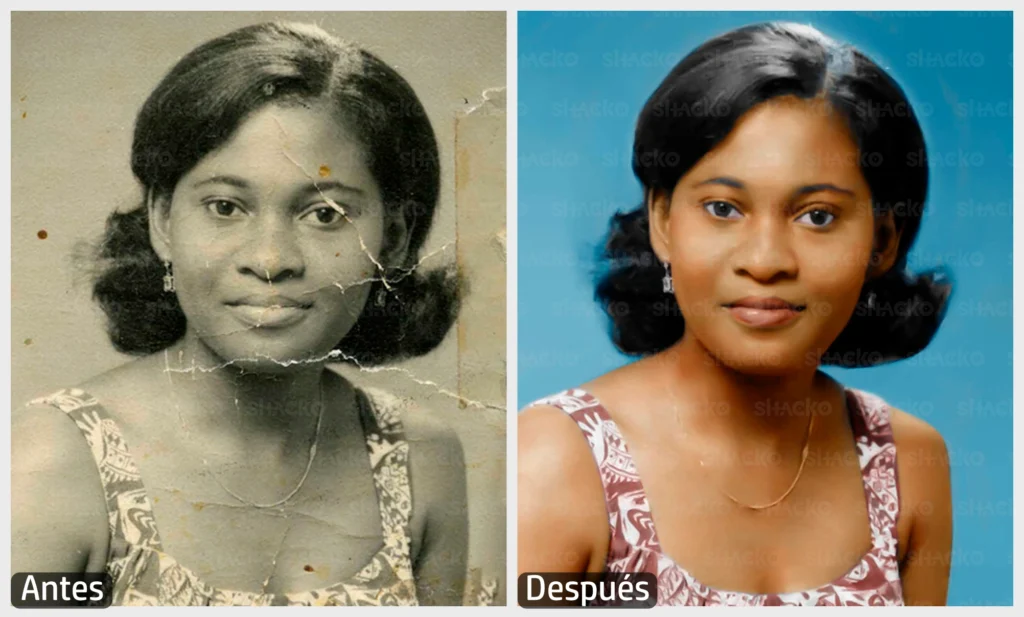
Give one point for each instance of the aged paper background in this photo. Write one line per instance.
(78, 79)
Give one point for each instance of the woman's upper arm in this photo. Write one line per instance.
(562, 518)
(924, 481)
(58, 508)
(438, 471)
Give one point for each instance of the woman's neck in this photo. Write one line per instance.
(763, 412)
(223, 403)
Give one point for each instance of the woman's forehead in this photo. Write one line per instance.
(773, 144)
(285, 145)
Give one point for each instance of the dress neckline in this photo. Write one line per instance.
(861, 427)
(122, 482)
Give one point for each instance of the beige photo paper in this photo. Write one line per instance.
(258, 305)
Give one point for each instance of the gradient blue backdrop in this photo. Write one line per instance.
(583, 78)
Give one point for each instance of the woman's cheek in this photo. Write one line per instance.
(347, 265)
(203, 243)
(829, 310)
(698, 267)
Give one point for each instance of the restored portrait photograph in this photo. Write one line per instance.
(258, 289)
(765, 306)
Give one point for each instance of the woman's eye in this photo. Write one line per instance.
(721, 209)
(818, 218)
(223, 208)
(324, 215)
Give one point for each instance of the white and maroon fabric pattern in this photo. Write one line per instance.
(634, 545)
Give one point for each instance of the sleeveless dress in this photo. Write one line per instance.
(634, 545)
(143, 574)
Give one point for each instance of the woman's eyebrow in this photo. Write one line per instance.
(725, 181)
(823, 186)
(803, 190)
(311, 189)
(234, 181)
(331, 185)
(321, 188)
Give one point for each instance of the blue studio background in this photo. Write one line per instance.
(583, 78)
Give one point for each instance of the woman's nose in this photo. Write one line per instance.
(273, 252)
(766, 251)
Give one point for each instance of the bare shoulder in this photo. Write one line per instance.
(923, 472)
(437, 477)
(58, 507)
(549, 436)
(561, 516)
(631, 389)
(917, 442)
(44, 434)
(436, 458)
(554, 457)
(59, 518)
(436, 453)
(423, 427)
(608, 385)
(141, 379)
(925, 524)
(43, 437)
(922, 457)
(118, 390)
(551, 443)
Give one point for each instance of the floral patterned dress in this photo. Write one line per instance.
(143, 574)
(634, 545)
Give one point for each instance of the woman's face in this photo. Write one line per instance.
(779, 210)
(273, 238)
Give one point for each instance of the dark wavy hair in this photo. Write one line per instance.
(197, 107)
(695, 108)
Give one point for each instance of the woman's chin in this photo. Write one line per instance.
(763, 370)
(768, 363)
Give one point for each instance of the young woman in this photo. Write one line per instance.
(289, 182)
(780, 203)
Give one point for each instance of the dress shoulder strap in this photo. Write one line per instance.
(128, 507)
(876, 451)
(629, 514)
(380, 414)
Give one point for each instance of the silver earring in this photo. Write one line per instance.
(666, 281)
(168, 277)
(871, 300)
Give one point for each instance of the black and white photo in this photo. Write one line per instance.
(258, 305)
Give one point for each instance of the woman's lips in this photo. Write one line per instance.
(268, 316)
(761, 317)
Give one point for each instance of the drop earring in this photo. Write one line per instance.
(871, 300)
(666, 281)
(168, 277)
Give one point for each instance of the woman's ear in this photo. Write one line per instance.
(396, 242)
(159, 215)
(658, 203)
(886, 245)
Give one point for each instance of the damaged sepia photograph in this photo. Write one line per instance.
(258, 306)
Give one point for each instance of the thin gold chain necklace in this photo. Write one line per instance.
(302, 480)
(800, 471)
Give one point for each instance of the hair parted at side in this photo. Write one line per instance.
(694, 109)
(198, 106)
